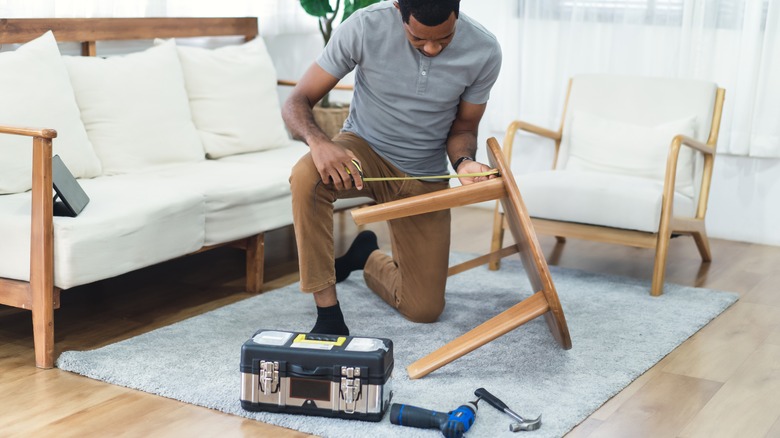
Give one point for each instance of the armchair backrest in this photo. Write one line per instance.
(625, 125)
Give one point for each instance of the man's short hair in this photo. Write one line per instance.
(428, 12)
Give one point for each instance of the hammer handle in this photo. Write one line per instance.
(491, 399)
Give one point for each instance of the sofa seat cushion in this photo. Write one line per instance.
(130, 223)
(617, 201)
(36, 93)
(298, 149)
(135, 108)
(244, 195)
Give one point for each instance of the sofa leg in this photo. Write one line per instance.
(255, 254)
(43, 338)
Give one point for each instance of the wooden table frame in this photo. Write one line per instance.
(544, 300)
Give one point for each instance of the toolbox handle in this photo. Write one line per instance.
(319, 371)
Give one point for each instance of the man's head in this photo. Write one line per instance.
(429, 24)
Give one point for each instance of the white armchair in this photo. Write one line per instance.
(633, 164)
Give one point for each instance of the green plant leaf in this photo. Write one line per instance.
(350, 6)
(317, 8)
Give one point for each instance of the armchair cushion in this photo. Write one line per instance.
(609, 146)
(36, 93)
(135, 109)
(611, 200)
(233, 97)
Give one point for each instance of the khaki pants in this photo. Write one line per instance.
(414, 278)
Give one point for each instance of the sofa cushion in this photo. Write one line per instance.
(130, 223)
(233, 97)
(617, 201)
(36, 93)
(135, 109)
(243, 196)
(285, 155)
(603, 145)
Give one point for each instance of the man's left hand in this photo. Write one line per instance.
(468, 166)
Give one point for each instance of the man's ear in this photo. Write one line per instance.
(396, 5)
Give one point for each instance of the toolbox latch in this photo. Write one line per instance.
(350, 387)
(269, 377)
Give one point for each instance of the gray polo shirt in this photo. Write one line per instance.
(404, 102)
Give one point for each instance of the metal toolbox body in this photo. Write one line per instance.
(333, 376)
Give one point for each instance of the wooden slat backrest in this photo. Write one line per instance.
(22, 30)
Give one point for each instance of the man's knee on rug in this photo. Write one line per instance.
(422, 313)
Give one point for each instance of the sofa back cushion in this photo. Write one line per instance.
(233, 97)
(135, 109)
(36, 93)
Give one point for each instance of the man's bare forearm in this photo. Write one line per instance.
(297, 114)
(462, 144)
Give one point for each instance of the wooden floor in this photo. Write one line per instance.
(723, 382)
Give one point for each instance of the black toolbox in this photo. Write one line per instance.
(333, 376)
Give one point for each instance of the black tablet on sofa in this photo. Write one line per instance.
(69, 197)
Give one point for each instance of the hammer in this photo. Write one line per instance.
(522, 423)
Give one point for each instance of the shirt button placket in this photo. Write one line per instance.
(422, 78)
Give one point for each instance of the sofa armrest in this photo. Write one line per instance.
(30, 132)
(41, 287)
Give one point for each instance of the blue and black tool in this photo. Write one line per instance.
(452, 424)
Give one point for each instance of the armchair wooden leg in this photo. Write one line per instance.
(659, 268)
(703, 244)
(255, 255)
(498, 237)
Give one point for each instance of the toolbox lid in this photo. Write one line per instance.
(316, 356)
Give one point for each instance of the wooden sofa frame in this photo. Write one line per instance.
(39, 294)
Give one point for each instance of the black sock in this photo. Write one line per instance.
(364, 244)
(330, 321)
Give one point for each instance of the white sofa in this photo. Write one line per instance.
(179, 149)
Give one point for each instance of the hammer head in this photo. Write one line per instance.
(526, 425)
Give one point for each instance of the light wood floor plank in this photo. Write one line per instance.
(584, 429)
(607, 409)
(748, 405)
(719, 349)
(661, 409)
(49, 396)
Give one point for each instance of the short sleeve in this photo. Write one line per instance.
(479, 91)
(343, 51)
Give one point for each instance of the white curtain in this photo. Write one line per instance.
(277, 17)
(735, 43)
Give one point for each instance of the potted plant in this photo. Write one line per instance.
(330, 116)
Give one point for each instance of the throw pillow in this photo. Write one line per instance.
(135, 109)
(233, 97)
(36, 93)
(603, 145)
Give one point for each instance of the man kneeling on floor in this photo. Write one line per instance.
(423, 78)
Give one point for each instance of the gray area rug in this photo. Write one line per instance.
(618, 331)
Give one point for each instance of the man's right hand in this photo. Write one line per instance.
(334, 163)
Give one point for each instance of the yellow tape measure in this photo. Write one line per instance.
(404, 178)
